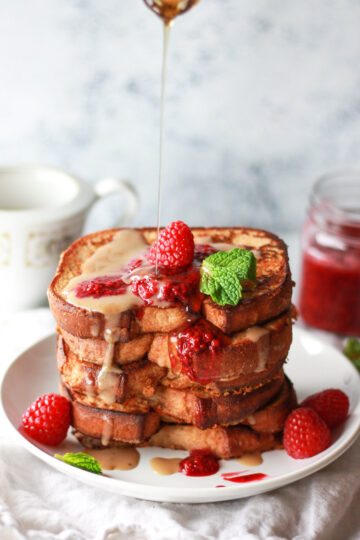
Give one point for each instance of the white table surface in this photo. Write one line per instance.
(37, 502)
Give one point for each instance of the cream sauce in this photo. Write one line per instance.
(108, 260)
(107, 430)
(121, 459)
(165, 466)
(251, 460)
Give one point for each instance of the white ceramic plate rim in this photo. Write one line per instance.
(187, 494)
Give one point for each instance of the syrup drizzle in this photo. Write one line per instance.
(167, 10)
(161, 146)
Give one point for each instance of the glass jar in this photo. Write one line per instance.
(330, 280)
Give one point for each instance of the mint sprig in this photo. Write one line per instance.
(352, 351)
(81, 460)
(223, 272)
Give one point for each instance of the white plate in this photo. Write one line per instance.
(313, 366)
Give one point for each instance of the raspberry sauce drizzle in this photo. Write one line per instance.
(101, 286)
(197, 349)
(240, 478)
(159, 287)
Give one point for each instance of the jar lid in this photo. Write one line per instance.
(335, 203)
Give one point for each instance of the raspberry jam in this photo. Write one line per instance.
(101, 286)
(200, 339)
(201, 462)
(166, 287)
(330, 285)
(145, 288)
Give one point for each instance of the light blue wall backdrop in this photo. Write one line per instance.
(263, 96)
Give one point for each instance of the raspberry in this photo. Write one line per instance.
(331, 405)
(145, 288)
(101, 286)
(47, 419)
(305, 434)
(175, 246)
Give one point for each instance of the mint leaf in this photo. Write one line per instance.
(223, 272)
(352, 351)
(240, 261)
(81, 460)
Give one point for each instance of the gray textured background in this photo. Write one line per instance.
(262, 98)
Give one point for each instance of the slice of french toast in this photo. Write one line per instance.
(223, 442)
(133, 405)
(221, 386)
(270, 297)
(204, 409)
(271, 418)
(254, 350)
(136, 379)
(125, 427)
(94, 349)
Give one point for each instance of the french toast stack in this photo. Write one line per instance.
(155, 362)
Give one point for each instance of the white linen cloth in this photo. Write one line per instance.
(40, 503)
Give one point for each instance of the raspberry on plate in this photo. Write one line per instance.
(175, 246)
(47, 420)
(332, 405)
(305, 433)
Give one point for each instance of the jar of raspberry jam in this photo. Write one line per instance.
(330, 281)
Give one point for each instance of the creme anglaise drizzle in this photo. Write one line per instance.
(121, 459)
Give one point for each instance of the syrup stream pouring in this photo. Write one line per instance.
(167, 10)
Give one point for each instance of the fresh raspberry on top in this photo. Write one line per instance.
(305, 433)
(175, 246)
(332, 405)
(47, 420)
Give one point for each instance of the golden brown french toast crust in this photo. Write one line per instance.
(204, 410)
(271, 296)
(137, 379)
(254, 350)
(130, 428)
(134, 372)
(224, 442)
